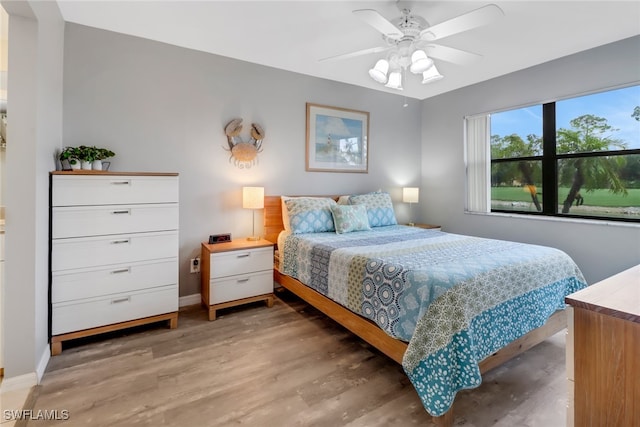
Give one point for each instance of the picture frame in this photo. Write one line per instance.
(337, 139)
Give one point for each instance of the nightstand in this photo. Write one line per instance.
(235, 273)
(428, 226)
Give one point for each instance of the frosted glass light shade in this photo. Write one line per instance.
(395, 80)
(253, 197)
(420, 62)
(410, 194)
(431, 75)
(379, 71)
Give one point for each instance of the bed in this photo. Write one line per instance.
(447, 307)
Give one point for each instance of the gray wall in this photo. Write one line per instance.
(163, 108)
(34, 107)
(600, 249)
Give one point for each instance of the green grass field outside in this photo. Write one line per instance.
(602, 198)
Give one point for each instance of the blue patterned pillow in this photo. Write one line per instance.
(310, 215)
(379, 208)
(348, 218)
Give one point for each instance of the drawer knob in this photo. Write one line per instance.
(126, 211)
(124, 270)
(244, 255)
(119, 300)
(243, 280)
(121, 182)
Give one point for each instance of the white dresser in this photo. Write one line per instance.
(114, 252)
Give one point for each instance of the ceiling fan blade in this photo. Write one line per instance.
(354, 54)
(474, 19)
(449, 54)
(379, 22)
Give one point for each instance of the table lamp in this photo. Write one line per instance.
(410, 195)
(253, 198)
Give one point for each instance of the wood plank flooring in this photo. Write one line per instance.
(282, 366)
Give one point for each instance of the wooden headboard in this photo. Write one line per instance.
(273, 216)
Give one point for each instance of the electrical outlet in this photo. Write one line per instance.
(195, 265)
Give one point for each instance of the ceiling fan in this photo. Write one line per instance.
(409, 39)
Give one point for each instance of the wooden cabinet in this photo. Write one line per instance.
(235, 273)
(603, 353)
(114, 252)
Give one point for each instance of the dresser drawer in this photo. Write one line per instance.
(241, 286)
(73, 285)
(94, 312)
(240, 262)
(113, 189)
(101, 220)
(84, 252)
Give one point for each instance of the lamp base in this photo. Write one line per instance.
(253, 238)
(411, 224)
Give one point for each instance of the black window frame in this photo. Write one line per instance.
(549, 159)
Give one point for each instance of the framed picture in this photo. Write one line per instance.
(337, 139)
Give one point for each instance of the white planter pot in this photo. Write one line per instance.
(86, 165)
(76, 165)
(97, 165)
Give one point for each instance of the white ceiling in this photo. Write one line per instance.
(293, 35)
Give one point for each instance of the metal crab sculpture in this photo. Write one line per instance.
(243, 153)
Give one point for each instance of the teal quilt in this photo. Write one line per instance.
(455, 299)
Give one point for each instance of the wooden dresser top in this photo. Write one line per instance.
(617, 296)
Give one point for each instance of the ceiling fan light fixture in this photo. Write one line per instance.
(379, 71)
(431, 75)
(395, 80)
(420, 62)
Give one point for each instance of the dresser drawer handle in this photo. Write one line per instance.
(127, 211)
(117, 242)
(121, 182)
(119, 300)
(124, 270)
(244, 255)
(243, 280)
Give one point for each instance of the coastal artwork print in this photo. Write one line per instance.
(337, 139)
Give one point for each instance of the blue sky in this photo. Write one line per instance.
(616, 106)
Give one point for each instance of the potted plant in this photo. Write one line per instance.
(87, 156)
(70, 158)
(100, 155)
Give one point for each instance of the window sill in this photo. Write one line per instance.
(557, 219)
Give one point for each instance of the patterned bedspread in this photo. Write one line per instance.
(456, 299)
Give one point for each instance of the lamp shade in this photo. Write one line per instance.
(410, 194)
(253, 197)
(379, 71)
(420, 62)
(395, 80)
(431, 75)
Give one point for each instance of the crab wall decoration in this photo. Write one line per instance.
(243, 153)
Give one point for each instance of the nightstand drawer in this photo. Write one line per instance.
(230, 263)
(113, 190)
(93, 312)
(70, 285)
(242, 286)
(102, 220)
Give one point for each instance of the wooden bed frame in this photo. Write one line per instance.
(370, 332)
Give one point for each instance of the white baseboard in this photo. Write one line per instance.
(44, 361)
(20, 382)
(189, 300)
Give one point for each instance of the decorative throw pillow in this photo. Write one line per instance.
(379, 208)
(310, 215)
(348, 218)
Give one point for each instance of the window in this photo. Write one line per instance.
(578, 157)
